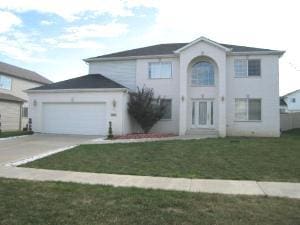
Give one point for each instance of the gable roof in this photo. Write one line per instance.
(11, 98)
(290, 93)
(170, 49)
(7, 69)
(204, 39)
(90, 81)
(160, 49)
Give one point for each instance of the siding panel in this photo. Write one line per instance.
(123, 72)
(10, 115)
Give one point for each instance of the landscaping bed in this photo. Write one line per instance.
(262, 159)
(6, 134)
(144, 135)
(30, 203)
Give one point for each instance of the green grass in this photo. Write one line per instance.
(5, 134)
(264, 159)
(35, 203)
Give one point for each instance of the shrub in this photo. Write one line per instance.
(146, 109)
(110, 132)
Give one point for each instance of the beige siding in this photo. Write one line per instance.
(18, 88)
(10, 115)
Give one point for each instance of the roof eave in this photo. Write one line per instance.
(27, 79)
(279, 53)
(205, 40)
(290, 93)
(95, 59)
(10, 100)
(78, 90)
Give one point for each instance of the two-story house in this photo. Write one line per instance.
(292, 101)
(13, 100)
(228, 89)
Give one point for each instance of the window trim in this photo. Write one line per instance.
(247, 70)
(23, 108)
(247, 106)
(159, 78)
(202, 85)
(11, 80)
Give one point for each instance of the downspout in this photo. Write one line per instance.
(20, 118)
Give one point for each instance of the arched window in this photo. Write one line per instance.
(203, 74)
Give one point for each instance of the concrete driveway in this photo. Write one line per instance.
(25, 147)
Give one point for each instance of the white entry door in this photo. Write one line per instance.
(75, 118)
(202, 113)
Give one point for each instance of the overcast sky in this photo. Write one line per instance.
(52, 37)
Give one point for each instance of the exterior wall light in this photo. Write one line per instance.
(34, 102)
(182, 98)
(222, 98)
(114, 103)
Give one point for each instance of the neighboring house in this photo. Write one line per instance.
(210, 87)
(292, 100)
(283, 105)
(13, 100)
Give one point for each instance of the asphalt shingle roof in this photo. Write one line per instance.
(7, 69)
(166, 49)
(89, 81)
(11, 98)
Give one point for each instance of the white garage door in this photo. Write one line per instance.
(75, 118)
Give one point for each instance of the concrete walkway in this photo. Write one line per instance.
(290, 190)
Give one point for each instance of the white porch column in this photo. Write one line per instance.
(222, 98)
(183, 97)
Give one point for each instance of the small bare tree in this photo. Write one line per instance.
(146, 109)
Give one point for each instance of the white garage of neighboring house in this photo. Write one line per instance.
(83, 105)
(10, 112)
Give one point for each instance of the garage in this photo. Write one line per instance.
(83, 105)
(75, 118)
(10, 112)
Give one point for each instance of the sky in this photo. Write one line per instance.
(52, 37)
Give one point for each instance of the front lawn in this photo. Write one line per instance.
(30, 203)
(264, 159)
(6, 134)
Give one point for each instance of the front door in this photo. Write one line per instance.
(202, 113)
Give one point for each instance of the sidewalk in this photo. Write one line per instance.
(278, 189)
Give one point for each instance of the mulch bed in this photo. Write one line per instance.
(143, 135)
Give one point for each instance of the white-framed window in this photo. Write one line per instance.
(247, 67)
(25, 112)
(160, 70)
(248, 109)
(168, 104)
(5, 82)
(203, 74)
